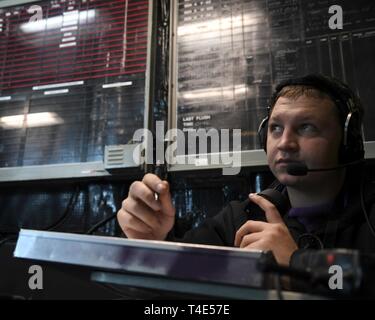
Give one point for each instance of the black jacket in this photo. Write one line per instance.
(346, 228)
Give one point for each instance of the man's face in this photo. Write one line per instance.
(305, 129)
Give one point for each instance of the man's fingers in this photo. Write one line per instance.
(127, 220)
(134, 234)
(250, 238)
(155, 185)
(153, 182)
(272, 214)
(139, 190)
(249, 226)
(257, 245)
(141, 211)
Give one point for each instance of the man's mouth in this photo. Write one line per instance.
(282, 164)
(286, 161)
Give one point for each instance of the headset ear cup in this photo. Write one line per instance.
(353, 150)
(262, 133)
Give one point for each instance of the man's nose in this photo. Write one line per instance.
(288, 141)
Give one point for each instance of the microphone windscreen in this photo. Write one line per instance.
(297, 169)
(277, 198)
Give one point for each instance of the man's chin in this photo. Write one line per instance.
(288, 180)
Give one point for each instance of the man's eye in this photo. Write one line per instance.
(307, 127)
(275, 128)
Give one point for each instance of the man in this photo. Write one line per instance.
(314, 121)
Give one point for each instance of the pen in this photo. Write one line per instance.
(160, 171)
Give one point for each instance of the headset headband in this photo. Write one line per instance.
(333, 88)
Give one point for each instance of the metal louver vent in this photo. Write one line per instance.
(121, 156)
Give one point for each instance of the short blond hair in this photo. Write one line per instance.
(296, 91)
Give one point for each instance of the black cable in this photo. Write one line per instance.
(278, 287)
(101, 223)
(72, 201)
(9, 238)
(287, 271)
(372, 229)
(11, 297)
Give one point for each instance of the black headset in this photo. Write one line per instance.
(348, 104)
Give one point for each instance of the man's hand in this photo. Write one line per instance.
(142, 216)
(271, 235)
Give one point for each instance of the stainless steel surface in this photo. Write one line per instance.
(53, 171)
(150, 258)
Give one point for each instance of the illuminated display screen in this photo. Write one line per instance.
(73, 41)
(72, 79)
